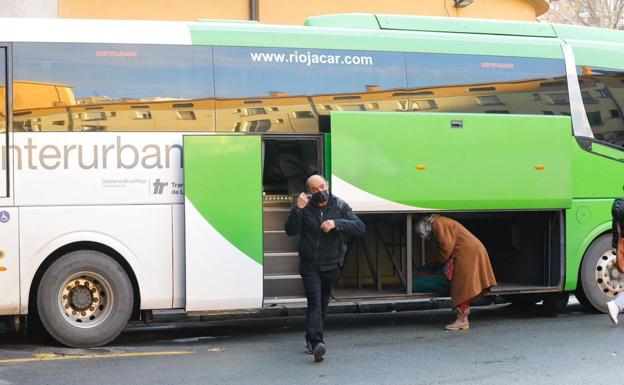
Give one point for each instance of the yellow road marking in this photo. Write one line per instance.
(59, 357)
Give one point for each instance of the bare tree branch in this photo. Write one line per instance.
(594, 13)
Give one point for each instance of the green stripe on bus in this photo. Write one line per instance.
(373, 40)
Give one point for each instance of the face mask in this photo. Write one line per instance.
(320, 197)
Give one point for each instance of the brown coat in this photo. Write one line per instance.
(472, 273)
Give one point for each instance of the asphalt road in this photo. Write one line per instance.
(505, 345)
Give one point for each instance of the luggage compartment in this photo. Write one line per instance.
(525, 249)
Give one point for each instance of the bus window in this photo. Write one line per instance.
(487, 84)
(286, 90)
(112, 87)
(603, 97)
(4, 154)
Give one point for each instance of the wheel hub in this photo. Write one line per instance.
(608, 278)
(80, 298)
(85, 299)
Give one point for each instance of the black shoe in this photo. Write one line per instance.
(309, 349)
(319, 352)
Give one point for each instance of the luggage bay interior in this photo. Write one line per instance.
(525, 247)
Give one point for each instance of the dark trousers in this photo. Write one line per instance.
(318, 283)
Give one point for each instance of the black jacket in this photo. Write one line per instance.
(315, 246)
(617, 212)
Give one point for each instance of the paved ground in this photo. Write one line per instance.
(505, 345)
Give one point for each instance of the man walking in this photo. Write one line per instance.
(321, 220)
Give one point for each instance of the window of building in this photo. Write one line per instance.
(256, 111)
(558, 98)
(125, 81)
(303, 115)
(263, 125)
(87, 116)
(423, 105)
(186, 115)
(142, 114)
(595, 119)
(489, 100)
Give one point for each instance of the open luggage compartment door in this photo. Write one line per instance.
(384, 162)
(223, 222)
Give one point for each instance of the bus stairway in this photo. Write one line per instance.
(281, 258)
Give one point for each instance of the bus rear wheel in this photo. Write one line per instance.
(599, 280)
(85, 299)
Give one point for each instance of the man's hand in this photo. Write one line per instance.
(328, 225)
(302, 200)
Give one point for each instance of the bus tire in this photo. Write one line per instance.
(599, 280)
(555, 303)
(85, 299)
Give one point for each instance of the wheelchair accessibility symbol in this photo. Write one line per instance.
(4, 216)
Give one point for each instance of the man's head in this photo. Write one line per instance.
(316, 183)
(319, 188)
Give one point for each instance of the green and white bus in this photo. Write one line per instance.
(151, 165)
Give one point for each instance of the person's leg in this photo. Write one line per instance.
(615, 306)
(461, 322)
(328, 281)
(312, 285)
(619, 301)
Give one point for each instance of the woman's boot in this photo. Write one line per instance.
(461, 323)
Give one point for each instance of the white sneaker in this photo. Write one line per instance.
(614, 310)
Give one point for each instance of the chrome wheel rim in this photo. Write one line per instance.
(608, 278)
(85, 299)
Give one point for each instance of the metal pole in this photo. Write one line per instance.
(253, 10)
(423, 251)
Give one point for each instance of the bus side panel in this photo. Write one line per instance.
(9, 261)
(597, 175)
(141, 234)
(97, 168)
(443, 161)
(585, 221)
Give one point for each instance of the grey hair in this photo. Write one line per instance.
(423, 226)
(314, 176)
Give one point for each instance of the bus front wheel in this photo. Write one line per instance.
(85, 299)
(599, 280)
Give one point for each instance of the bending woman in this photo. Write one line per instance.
(467, 263)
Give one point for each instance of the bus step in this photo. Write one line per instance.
(281, 263)
(283, 285)
(275, 218)
(279, 241)
(281, 276)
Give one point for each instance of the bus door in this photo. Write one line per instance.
(441, 161)
(223, 222)
(9, 248)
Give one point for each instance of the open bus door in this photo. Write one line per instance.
(451, 162)
(223, 222)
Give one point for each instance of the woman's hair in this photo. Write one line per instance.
(423, 226)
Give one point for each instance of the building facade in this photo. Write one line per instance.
(268, 11)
